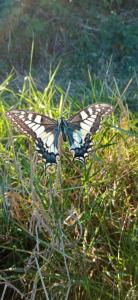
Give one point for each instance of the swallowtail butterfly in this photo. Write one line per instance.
(45, 131)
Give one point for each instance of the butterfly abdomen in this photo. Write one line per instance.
(63, 128)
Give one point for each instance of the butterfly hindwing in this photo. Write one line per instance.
(80, 142)
(82, 126)
(42, 129)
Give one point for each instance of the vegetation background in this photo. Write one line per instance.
(70, 233)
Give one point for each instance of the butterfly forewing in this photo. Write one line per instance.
(82, 126)
(42, 129)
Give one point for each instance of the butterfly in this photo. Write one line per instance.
(46, 132)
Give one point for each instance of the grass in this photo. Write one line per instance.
(68, 232)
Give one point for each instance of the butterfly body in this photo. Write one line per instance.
(46, 132)
(63, 127)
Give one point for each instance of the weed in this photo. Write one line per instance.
(68, 232)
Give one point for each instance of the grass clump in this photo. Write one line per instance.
(70, 232)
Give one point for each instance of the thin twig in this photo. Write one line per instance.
(63, 253)
(41, 277)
